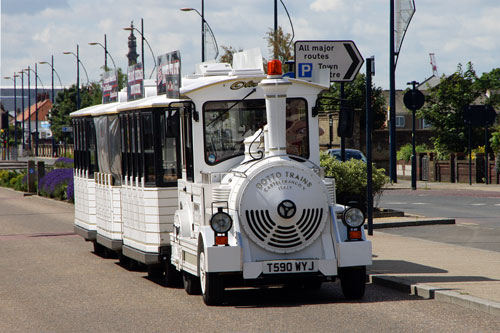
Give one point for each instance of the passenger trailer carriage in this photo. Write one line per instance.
(220, 187)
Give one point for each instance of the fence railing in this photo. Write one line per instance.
(44, 150)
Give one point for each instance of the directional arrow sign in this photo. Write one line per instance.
(340, 56)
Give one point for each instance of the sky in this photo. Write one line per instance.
(456, 31)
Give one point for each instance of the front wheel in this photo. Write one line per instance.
(353, 281)
(212, 284)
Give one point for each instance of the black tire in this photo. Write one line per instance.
(353, 282)
(312, 283)
(212, 284)
(98, 248)
(191, 284)
(172, 277)
(155, 271)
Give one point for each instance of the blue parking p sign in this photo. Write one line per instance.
(305, 70)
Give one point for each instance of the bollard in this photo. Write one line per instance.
(31, 176)
(41, 173)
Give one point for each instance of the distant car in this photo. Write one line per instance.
(349, 153)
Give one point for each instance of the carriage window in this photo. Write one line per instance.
(133, 141)
(124, 131)
(226, 127)
(169, 125)
(149, 152)
(187, 138)
(92, 148)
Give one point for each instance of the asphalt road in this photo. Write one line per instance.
(476, 213)
(50, 281)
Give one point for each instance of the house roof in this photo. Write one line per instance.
(30, 112)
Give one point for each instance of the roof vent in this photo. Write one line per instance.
(213, 69)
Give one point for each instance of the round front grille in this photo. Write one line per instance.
(284, 237)
(284, 208)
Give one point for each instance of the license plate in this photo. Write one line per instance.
(289, 266)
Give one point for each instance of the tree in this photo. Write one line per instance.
(66, 103)
(444, 109)
(355, 93)
(227, 57)
(282, 45)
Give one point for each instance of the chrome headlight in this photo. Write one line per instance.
(353, 217)
(221, 222)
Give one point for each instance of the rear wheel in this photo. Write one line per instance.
(353, 281)
(212, 284)
(172, 277)
(155, 271)
(191, 283)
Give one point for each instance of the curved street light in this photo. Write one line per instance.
(79, 61)
(106, 53)
(53, 70)
(203, 22)
(13, 78)
(36, 106)
(132, 28)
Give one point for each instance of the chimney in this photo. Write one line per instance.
(275, 88)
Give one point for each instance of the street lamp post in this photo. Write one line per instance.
(78, 62)
(13, 78)
(203, 22)
(106, 53)
(51, 64)
(36, 106)
(132, 28)
(22, 105)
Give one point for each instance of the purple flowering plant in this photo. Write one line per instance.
(58, 183)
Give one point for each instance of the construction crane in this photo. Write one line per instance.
(434, 65)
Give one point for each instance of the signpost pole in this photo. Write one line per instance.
(370, 64)
(486, 147)
(342, 138)
(470, 153)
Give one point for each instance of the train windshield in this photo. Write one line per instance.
(228, 123)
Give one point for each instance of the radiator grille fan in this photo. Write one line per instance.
(281, 237)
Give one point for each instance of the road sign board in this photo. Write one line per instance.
(479, 115)
(67, 129)
(340, 56)
(414, 99)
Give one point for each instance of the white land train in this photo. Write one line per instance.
(201, 186)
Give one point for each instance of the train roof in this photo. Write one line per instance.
(150, 102)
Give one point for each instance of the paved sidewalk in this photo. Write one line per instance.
(451, 273)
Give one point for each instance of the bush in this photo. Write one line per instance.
(64, 163)
(350, 178)
(405, 152)
(55, 184)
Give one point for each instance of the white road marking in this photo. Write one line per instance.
(479, 204)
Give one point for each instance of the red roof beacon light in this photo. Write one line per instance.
(274, 68)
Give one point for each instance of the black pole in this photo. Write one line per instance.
(105, 53)
(22, 106)
(414, 152)
(77, 77)
(142, 50)
(486, 148)
(53, 101)
(370, 64)
(36, 109)
(470, 153)
(15, 113)
(202, 31)
(330, 123)
(29, 109)
(342, 138)
(392, 100)
(275, 29)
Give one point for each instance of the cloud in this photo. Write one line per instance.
(326, 5)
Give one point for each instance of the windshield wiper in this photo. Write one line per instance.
(232, 106)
